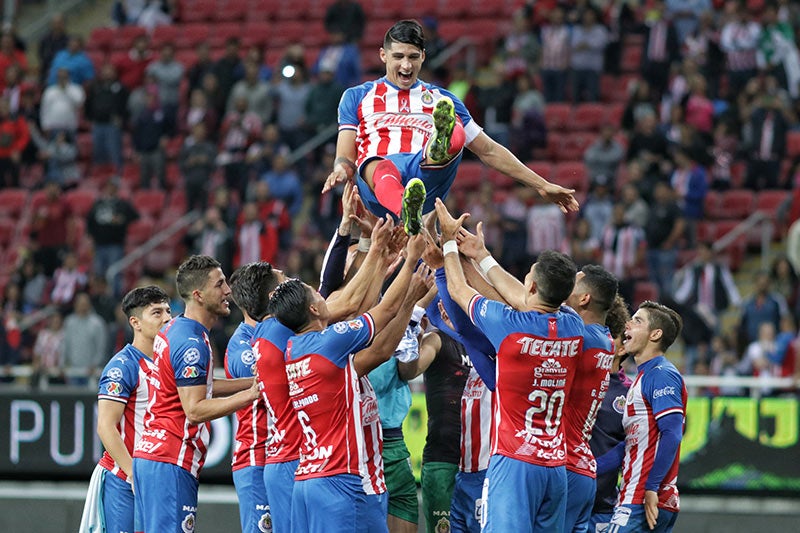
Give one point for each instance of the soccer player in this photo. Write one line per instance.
(121, 403)
(594, 293)
(250, 288)
(402, 138)
(332, 480)
(183, 398)
(537, 346)
(655, 411)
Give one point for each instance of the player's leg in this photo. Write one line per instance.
(390, 185)
(117, 503)
(465, 506)
(580, 499)
(298, 520)
(552, 481)
(279, 484)
(448, 136)
(334, 504)
(166, 497)
(375, 513)
(437, 482)
(253, 507)
(401, 486)
(508, 496)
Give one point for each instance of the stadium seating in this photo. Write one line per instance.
(737, 203)
(149, 202)
(557, 117)
(571, 174)
(139, 231)
(80, 201)
(12, 202)
(588, 117)
(643, 291)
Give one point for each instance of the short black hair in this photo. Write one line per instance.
(251, 285)
(139, 298)
(289, 304)
(661, 317)
(405, 31)
(193, 274)
(554, 274)
(601, 284)
(617, 316)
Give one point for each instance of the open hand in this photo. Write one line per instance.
(449, 225)
(472, 246)
(562, 197)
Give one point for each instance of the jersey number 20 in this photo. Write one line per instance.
(551, 405)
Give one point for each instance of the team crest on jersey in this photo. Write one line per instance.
(114, 388)
(619, 404)
(340, 327)
(427, 98)
(190, 372)
(355, 325)
(265, 523)
(248, 357)
(188, 523)
(191, 356)
(115, 374)
(443, 525)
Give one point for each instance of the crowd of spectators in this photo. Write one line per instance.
(716, 91)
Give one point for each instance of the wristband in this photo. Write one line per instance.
(450, 247)
(364, 244)
(487, 263)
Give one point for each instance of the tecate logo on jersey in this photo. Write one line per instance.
(298, 370)
(549, 347)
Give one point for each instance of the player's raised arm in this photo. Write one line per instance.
(344, 166)
(501, 159)
(460, 292)
(509, 289)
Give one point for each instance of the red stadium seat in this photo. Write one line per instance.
(557, 116)
(165, 34)
(76, 231)
(575, 144)
(572, 174)
(101, 39)
(555, 142)
(543, 168)
(588, 117)
(84, 143)
(737, 203)
(80, 201)
(262, 10)
(387, 10)
(452, 9)
(257, 33)
(452, 29)
(224, 31)
(12, 202)
(230, 10)
(793, 144)
(770, 201)
(738, 174)
(8, 229)
(288, 32)
(470, 175)
(723, 227)
(199, 11)
(160, 260)
(631, 58)
(643, 291)
(139, 231)
(500, 180)
(149, 202)
(706, 231)
(192, 34)
(124, 36)
(711, 206)
(614, 114)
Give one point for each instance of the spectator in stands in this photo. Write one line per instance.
(155, 13)
(60, 155)
(85, 341)
(519, 47)
(346, 17)
(482, 206)
(434, 44)
(760, 357)
(127, 11)
(48, 350)
(50, 44)
(648, 144)
(13, 88)
(636, 209)
(74, 59)
(256, 54)
(197, 163)
(203, 64)
(546, 227)
(292, 95)
(702, 47)
(685, 15)
(32, 283)
(10, 55)
(68, 280)
(623, 246)
(61, 105)
(105, 304)
(228, 68)
(107, 224)
(343, 59)
(690, 183)
(587, 47)
(640, 103)
(786, 283)
(739, 41)
(664, 230)
(107, 109)
(212, 236)
(49, 228)
(240, 128)
(256, 91)
(699, 112)
(284, 183)
(259, 155)
(581, 246)
(724, 362)
(777, 50)
(256, 237)
(200, 111)
(132, 67)
(723, 153)
(528, 129)
(598, 207)
(661, 48)
(228, 208)
(168, 74)
(767, 147)
(14, 137)
(765, 305)
(147, 135)
(323, 99)
(604, 155)
(555, 38)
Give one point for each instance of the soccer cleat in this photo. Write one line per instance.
(411, 212)
(444, 120)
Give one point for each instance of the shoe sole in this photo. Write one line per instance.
(413, 200)
(444, 120)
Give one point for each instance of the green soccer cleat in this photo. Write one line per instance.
(444, 120)
(411, 212)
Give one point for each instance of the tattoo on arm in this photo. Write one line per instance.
(346, 162)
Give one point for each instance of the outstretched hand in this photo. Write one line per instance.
(449, 225)
(421, 282)
(339, 175)
(564, 198)
(472, 246)
(360, 214)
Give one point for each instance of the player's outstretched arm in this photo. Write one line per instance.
(397, 291)
(344, 166)
(386, 341)
(200, 409)
(501, 159)
(225, 387)
(109, 413)
(460, 292)
(429, 348)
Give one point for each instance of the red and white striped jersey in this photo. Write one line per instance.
(124, 379)
(658, 390)
(182, 358)
(586, 397)
(324, 391)
(476, 425)
(373, 438)
(388, 120)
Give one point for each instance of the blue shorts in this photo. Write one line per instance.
(598, 522)
(253, 505)
(437, 179)
(117, 504)
(166, 497)
(630, 518)
(580, 500)
(523, 497)
(375, 513)
(279, 483)
(465, 508)
(333, 504)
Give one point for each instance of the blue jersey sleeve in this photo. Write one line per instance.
(190, 361)
(344, 338)
(348, 106)
(491, 318)
(663, 389)
(119, 379)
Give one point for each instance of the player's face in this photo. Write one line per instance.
(637, 332)
(217, 293)
(319, 305)
(153, 318)
(403, 63)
